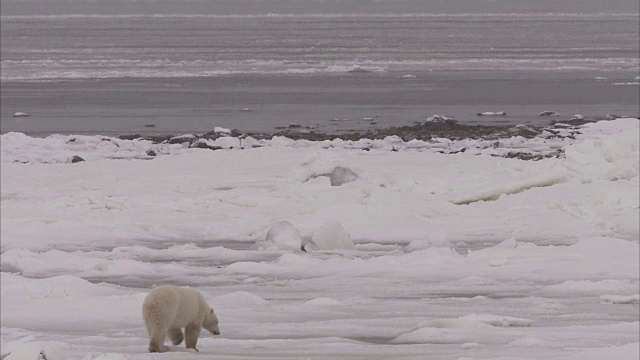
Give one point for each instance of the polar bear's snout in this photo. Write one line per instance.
(212, 328)
(211, 323)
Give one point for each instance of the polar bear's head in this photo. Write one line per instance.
(211, 322)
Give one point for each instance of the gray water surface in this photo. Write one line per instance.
(186, 66)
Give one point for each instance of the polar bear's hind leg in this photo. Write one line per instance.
(156, 342)
(176, 336)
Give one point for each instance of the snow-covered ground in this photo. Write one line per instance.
(410, 254)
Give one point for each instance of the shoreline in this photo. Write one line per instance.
(325, 104)
(448, 129)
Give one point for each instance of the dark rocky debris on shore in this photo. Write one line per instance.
(423, 131)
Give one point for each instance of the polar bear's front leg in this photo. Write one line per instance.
(192, 332)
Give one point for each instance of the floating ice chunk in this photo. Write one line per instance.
(250, 142)
(498, 320)
(247, 109)
(549, 113)
(186, 138)
(21, 114)
(228, 142)
(600, 78)
(221, 130)
(621, 299)
(492, 113)
(203, 143)
(392, 142)
(359, 69)
(281, 142)
(431, 240)
(331, 236)
(408, 76)
(438, 118)
(324, 301)
(283, 235)
(578, 117)
(342, 175)
(334, 168)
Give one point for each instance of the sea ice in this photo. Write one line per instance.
(496, 320)
(492, 113)
(467, 254)
(283, 235)
(35, 351)
(621, 299)
(438, 118)
(331, 235)
(322, 302)
(221, 130)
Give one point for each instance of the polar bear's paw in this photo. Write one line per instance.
(158, 348)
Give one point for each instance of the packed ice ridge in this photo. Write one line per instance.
(18, 147)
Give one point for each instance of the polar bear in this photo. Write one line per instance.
(167, 309)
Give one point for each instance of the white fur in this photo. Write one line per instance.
(167, 309)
